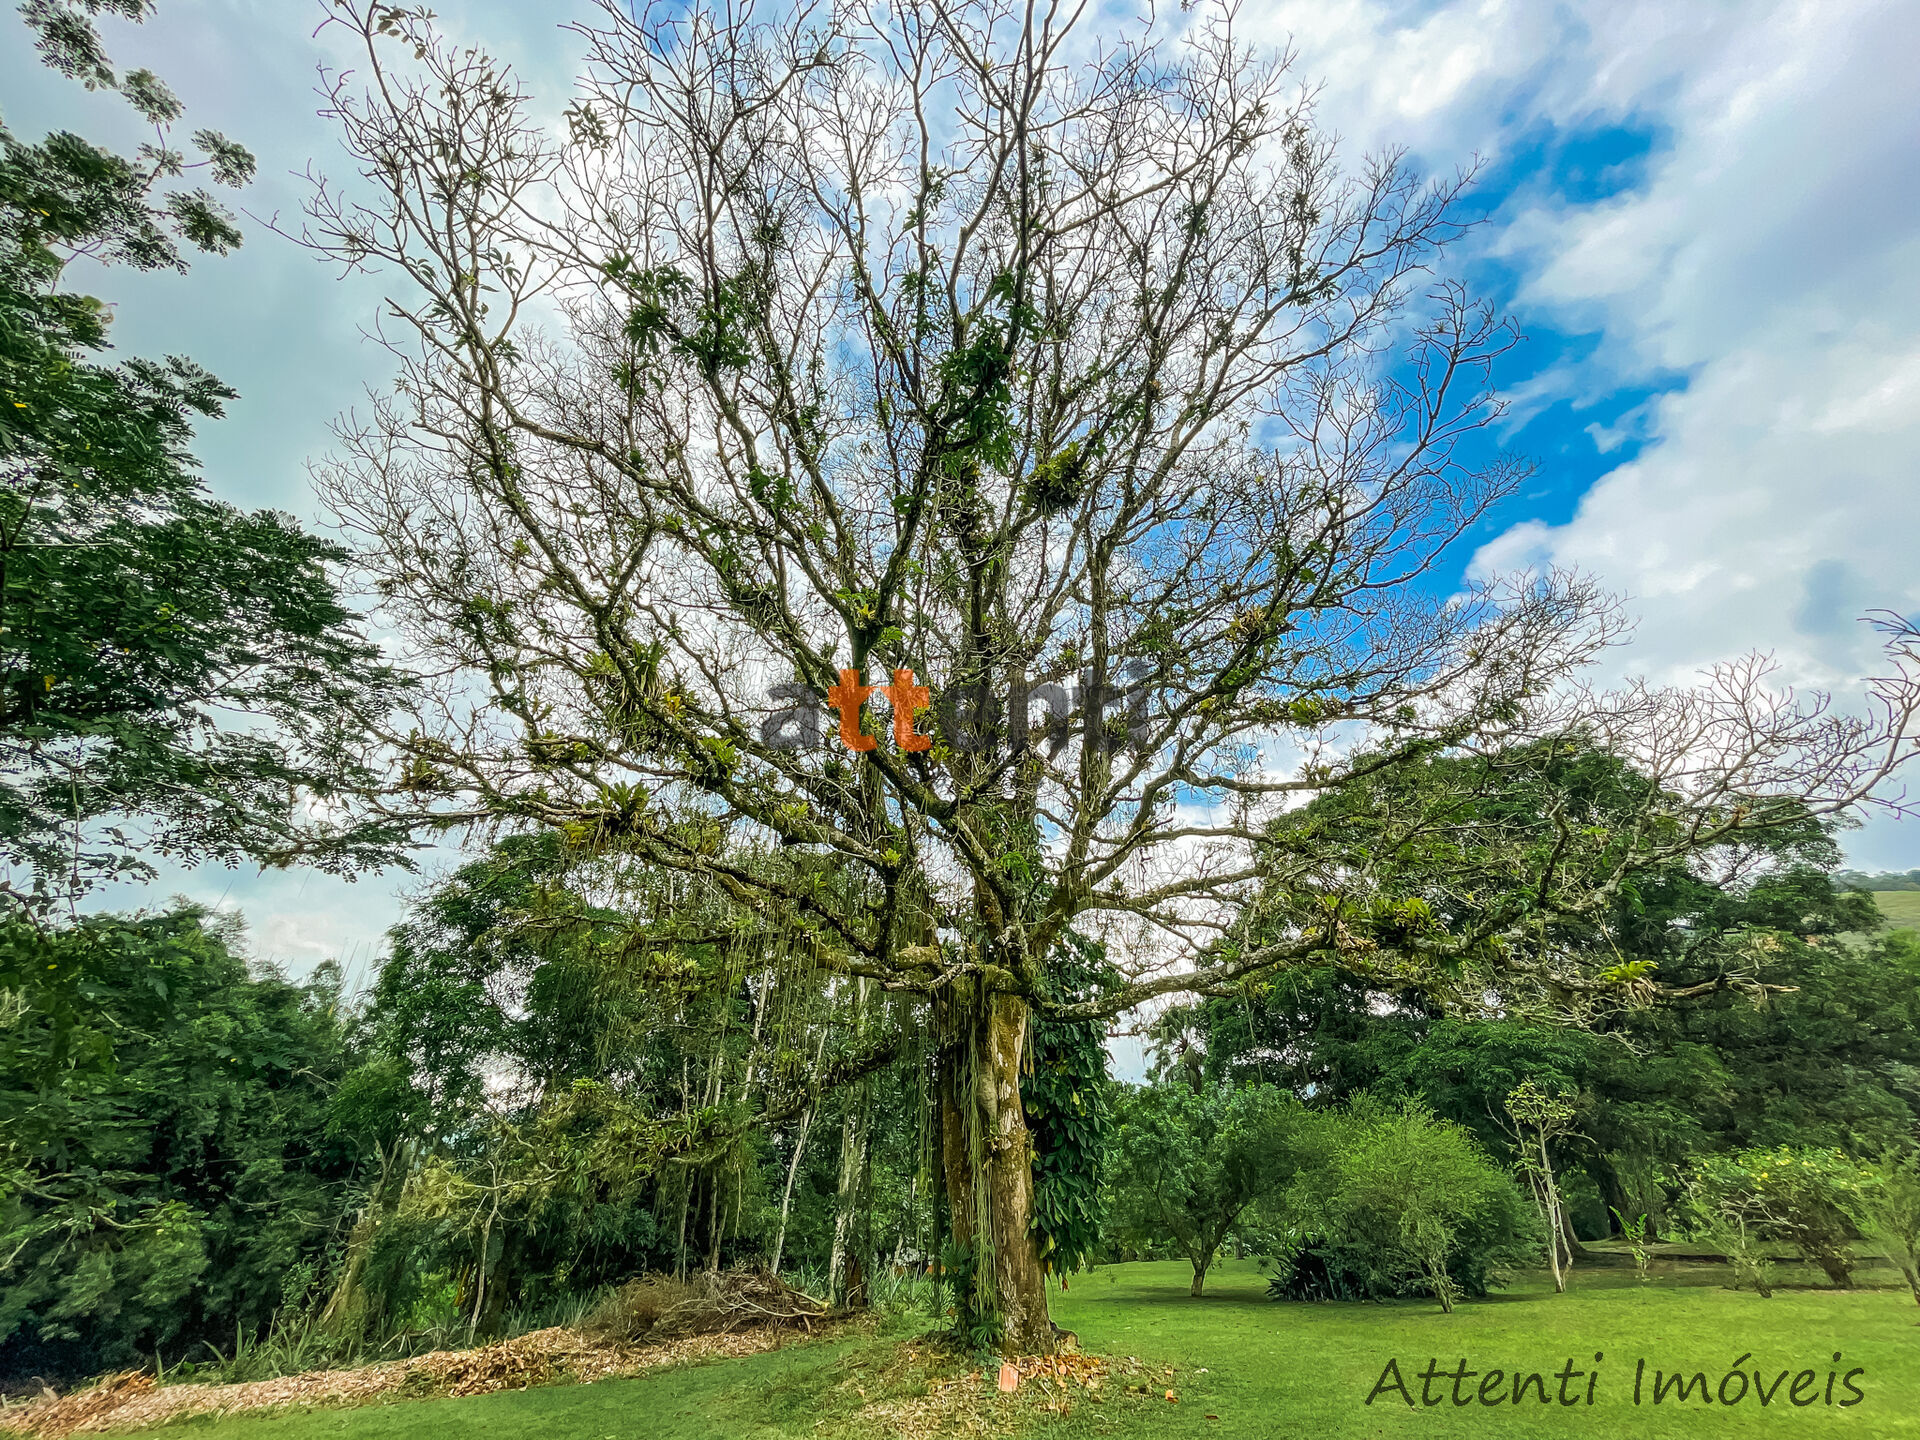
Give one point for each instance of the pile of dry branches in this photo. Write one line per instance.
(708, 1303)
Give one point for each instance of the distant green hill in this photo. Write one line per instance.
(1901, 907)
(1880, 880)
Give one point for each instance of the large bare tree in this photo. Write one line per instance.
(1076, 375)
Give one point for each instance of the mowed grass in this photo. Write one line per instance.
(1901, 907)
(1273, 1371)
(1303, 1372)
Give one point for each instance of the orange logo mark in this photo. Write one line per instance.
(847, 697)
(906, 698)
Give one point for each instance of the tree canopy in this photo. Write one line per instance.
(173, 669)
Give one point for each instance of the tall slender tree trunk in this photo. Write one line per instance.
(847, 1268)
(987, 1157)
(793, 1165)
(480, 1267)
(686, 1193)
(786, 1195)
(686, 1204)
(1548, 1193)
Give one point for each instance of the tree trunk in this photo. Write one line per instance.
(686, 1203)
(1576, 1252)
(1199, 1280)
(987, 1157)
(1559, 1232)
(1550, 1223)
(793, 1167)
(846, 1270)
(847, 1267)
(1838, 1268)
(1613, 1194)
(786, 1196)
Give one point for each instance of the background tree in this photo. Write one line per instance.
(1189, 1163)
(944, 340)
(1800, 1026)
(577, 1066)
(1887, 1209)
(167, 1175)
(139, 616)
(1541, 1117)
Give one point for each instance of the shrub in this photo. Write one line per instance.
(1803, 1197)
(1886, 1207)
(1404, 1203)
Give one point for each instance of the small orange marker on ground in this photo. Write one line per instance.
(1009, 1379)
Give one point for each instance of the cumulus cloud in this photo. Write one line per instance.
(1764, 256)
(1768, 257)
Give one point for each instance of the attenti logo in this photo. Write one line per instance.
(969, 719)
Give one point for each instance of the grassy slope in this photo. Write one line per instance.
(1279, 1372)
(776, 1394)
(1901, 907)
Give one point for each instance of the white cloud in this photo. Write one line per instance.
(1767, 257)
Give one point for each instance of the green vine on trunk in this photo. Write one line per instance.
(1069, 1113)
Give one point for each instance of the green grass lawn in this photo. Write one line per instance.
(1901, 907)
(1274, 1371)
(1303, 1372)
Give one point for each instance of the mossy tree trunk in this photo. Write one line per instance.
(852, 1223)
(987, 1158)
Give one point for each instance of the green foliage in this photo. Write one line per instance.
(1539, 1109)
(1467, 837)
(138, 614)
(166, 1162)
(1637, 1231)
(1067, 1098)
(1189, 1163)
(1334, 1035)
(1797, 1194)
(1403, 1202)
(557, 1083)
(1886, 1208)
(1826, 1059)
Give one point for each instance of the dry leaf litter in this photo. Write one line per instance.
(643, 1326)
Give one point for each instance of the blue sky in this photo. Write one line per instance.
(1703, 217)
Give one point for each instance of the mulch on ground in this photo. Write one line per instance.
(133, 1402)
(925, 1394)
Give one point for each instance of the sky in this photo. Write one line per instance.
(1703, 216)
